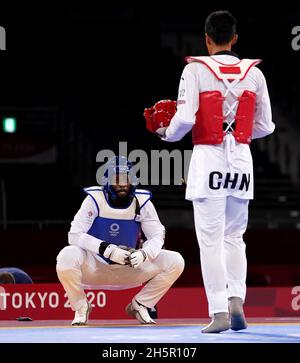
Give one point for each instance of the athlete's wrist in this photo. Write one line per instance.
(102, 247)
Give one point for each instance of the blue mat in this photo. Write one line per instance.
(256, 333)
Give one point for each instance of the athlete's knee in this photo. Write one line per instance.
(70, 257)
(177, 262)
(235, 239)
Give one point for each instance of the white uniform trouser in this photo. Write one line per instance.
(220, 224)
(77, 268)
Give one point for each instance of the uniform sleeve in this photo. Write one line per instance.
(153, 230)
(80, 225)
(263, 124)
(187, 106)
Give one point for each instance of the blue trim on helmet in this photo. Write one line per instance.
(119, 165)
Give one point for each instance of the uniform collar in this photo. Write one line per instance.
(226, 52)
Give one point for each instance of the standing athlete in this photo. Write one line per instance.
(224, 100)
(104, 248)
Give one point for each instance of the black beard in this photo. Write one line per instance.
(120, 202)
(120, 191)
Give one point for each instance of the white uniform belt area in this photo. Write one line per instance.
(230, 146)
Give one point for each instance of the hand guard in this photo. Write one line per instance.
(161, 132)
(116, 254)
(137, 257)
(160, 115)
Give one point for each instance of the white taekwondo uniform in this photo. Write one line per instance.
(220, 177)
(80, 266)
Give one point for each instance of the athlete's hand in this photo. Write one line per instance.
(116, 254)
(137, 257)
(161, 132)
(160, 115)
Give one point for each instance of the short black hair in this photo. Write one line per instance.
(220, 26)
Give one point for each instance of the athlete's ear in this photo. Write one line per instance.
(208, 40)
(209, 43)
(234, 39)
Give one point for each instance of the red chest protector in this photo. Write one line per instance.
(215, 112)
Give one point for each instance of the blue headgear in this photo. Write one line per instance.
(119, 165)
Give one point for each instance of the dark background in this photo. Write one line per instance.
(77, 78)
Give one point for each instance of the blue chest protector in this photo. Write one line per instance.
(116, 231)
(117, 226)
